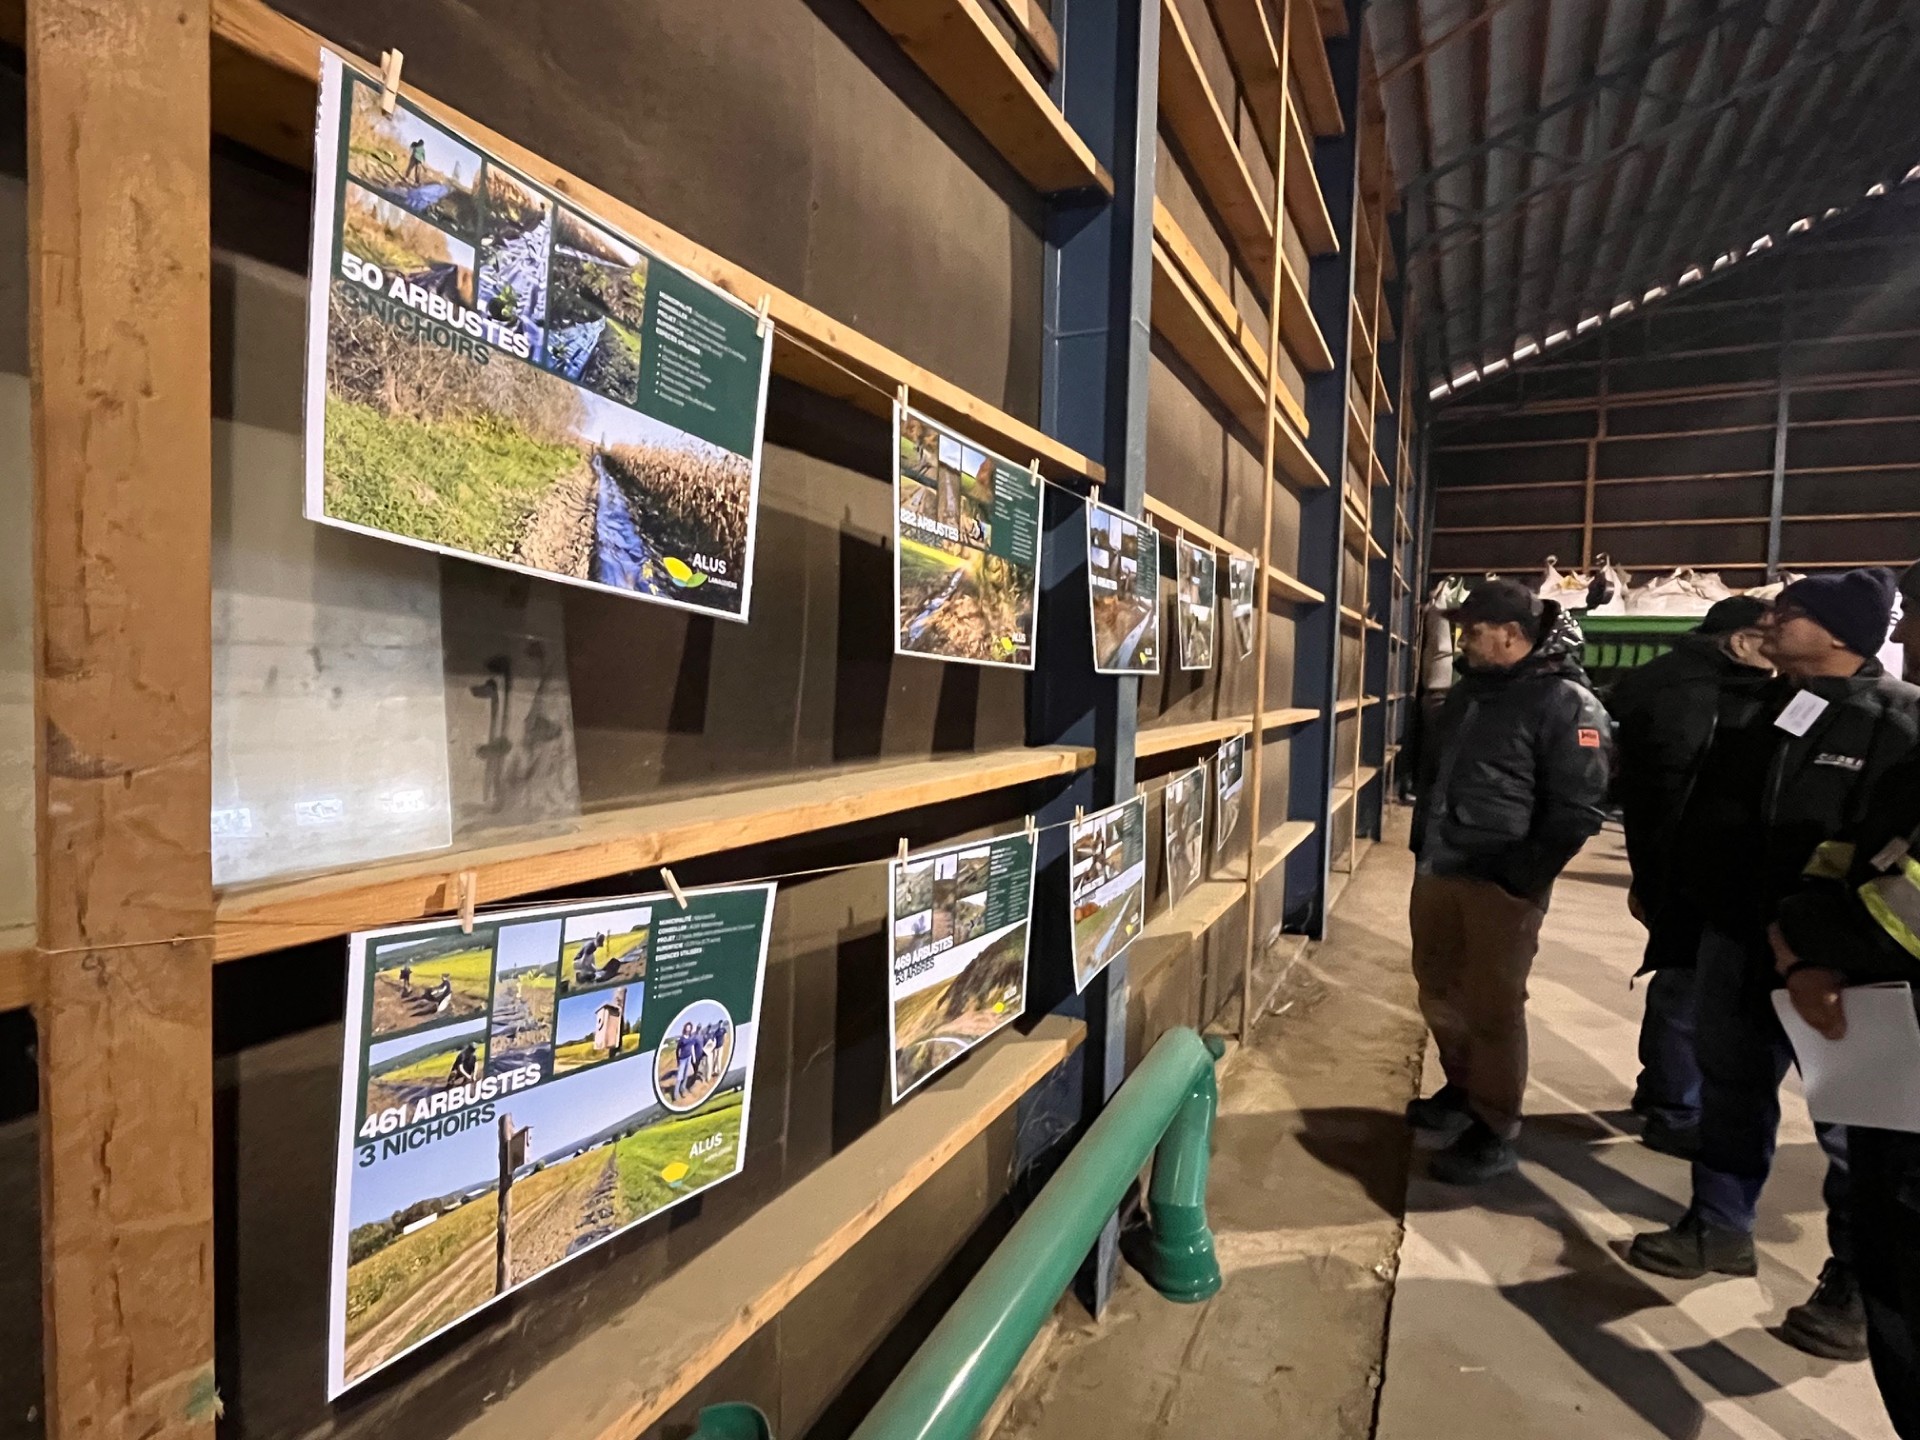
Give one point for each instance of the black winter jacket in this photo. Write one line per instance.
(1516, 769)
(1665, 714)
(1824, 921)
(1808, 788)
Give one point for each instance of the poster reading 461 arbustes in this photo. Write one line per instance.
(515, 1096)
(960, 921)
(966, 547)
(496, 374)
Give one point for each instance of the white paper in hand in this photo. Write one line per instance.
(1872, 1075)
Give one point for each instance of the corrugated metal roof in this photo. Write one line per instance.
(1567, 157)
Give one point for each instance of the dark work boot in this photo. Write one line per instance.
(1441, 1116)
(1833, 1322)
(1475, 1157)
(1693, 1248)
(1669, 1139)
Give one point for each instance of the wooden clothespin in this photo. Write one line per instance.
(900, 396)
(762, 320)
(390, 63)
(466, 892)
(1033, 831)
(1033, 468)
(1079, 814)
(673, 887)
(902, 856)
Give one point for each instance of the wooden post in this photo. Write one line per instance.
(1257, 741)
(117, 126)
(513, 1154)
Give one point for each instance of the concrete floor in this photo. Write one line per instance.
(1508, 1312)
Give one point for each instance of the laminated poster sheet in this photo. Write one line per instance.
(1123, 588)
(961, 919)
(1195, 595)
(1240, 577)
(1108, 894)
(1230, 766)
(966, 547)
(515, 1096)
(496, 374)
(1185, 801)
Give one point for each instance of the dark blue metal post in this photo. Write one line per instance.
(1316, 631)
(1094, 397)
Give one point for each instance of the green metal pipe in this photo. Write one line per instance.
(1166, 1109)
(1168, 1102)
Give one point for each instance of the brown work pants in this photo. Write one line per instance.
(1473, 945)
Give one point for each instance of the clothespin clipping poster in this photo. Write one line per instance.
(763, 319)
(466, 892)
(673, 887)
(390, 63)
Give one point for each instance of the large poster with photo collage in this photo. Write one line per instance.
(515, 1096)
(497, 374)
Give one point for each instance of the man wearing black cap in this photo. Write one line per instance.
(1511, 785)
(1768, 795)
(1665, 714)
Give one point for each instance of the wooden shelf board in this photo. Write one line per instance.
(1298, 328)
(1290, 590)
(1348, 706)
(19, 968)
(1167, 739)
(1294, 462)
(1175, 522)
(1210, 901)
(970, 62)
(1289, 717)
(1365, 776)
(1034, 25)
(1190, 109)
(1305, 203)
(624, 1374)
(1217, 348)
(253, 919)
(265, 67)
(1312, 71)
(1351, 616)
(1255, 56)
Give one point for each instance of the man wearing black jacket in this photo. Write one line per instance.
(1856, 921)
(1513, 775)
(1665, 714)
(1767, 796)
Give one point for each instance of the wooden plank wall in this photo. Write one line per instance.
(1655, 439)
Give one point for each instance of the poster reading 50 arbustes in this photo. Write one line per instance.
(515, 1096)
(966, 547)
(496, 374)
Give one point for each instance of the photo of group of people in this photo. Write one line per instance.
(1108, 890)
(496, 374)
(966, 548)
(1195, 596)
(960, 919)
(1230, 763)
(482, 1088)
(1123, 586)
(1240, 578)
(1185, 802)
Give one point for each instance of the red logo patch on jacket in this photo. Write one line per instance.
(1589, 739)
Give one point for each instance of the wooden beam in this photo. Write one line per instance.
(617, 1379)
(1305, 203)
(1251, 50)
(254, 919)
(1035, 28)
(1190, 735)
(963, 52)
(19, 968)
(119, 325)
(1313, 72)
(1190, 111)
(1300, 332)
(265, 68)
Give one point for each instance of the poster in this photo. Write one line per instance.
(1123, 587)
(966, 547)
(1230, 765)
(1195, 603)
(515, 1096)
(1108, 852)
(960, 919)
(1240, 588)
(1185, 802)
(495, 374)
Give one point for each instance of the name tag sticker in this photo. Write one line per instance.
(1805, 708)
(1589, 739)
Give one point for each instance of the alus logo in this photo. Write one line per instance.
(1840, 762)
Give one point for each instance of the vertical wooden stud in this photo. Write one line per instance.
(117, 128)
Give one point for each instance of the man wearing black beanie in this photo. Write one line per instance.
(1768, 795)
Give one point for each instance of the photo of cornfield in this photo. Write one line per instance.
(942, 1022)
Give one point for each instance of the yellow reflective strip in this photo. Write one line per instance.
(1885, 900)
(1831, 860)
